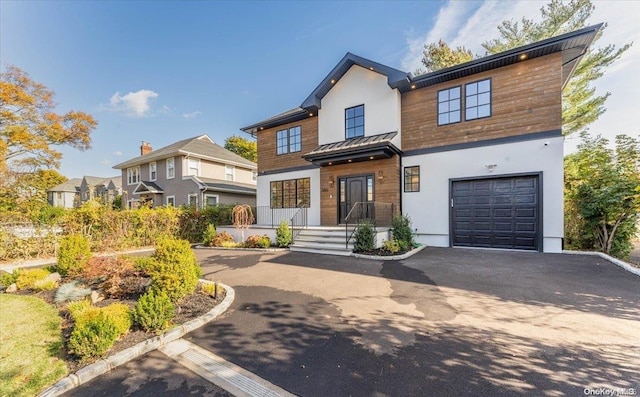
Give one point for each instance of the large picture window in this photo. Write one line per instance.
(449, 106)
(478, 100)
(289, 141)
(354, 121)
(291, 193)
(412, 179)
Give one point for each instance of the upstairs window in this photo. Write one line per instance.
(152, 171)
(354, 121)
(478, 100)
(289, 141)
(171, 168)
(449, 106)
(133, 175)
(193, 167)
(229, 172)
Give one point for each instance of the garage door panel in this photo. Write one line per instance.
(496, 213)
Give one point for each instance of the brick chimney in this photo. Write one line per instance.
(145, 148)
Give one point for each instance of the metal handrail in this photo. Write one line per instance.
(373, 208)
(298, 222)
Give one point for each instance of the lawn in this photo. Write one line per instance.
(30, 345)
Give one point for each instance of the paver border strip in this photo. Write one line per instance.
(391, 257)
(615, 261)
(102, 366)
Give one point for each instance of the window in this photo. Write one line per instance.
(449, 106)
(171, 168)
(369, 188)
(354, 121)
(193, 167)
(478, 100)
(171, 201)
(59, 195)
(289, 141)
(229, 172)
(152, 171)
(210, 200)
(254, 175)
(292, 193)
(193, 200)
(133, 175)
(412, 179)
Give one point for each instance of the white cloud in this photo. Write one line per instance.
(133, 104)
(191, 115)
(105, 162)
(118, 153)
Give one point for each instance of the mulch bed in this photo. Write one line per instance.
(189, 308)
(383, 252)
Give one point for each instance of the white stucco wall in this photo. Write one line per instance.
(429, 208)
(360, 86)
(264, 194)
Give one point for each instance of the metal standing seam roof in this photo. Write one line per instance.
(573, 46)
(353, 143)
(198, 146)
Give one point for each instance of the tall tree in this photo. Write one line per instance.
(440, 55)
(30, 130)
(26, 192)
(243, 147)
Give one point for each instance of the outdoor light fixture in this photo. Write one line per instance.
(413, 87)
(333, 81)
(523, 57)
(380, 175)
(331, 181)
(310, 114)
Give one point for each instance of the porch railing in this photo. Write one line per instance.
(298, 222)
(268, 216)
(379, 214)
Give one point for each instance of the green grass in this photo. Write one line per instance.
(30, 345)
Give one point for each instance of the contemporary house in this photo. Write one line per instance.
(472, 153)
(194, 171)
(76, 191)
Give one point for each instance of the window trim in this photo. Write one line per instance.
(346, 129)
(228, 167)
(188, 167)
(286, 148)
(217, 196)
(438, 105)
(404, 179)
(490, 99)
(166, 202)
(155, 170)
(189, 199)
(173, 161)
(295, 191)
(129, 179)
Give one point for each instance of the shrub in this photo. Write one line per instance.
(154, 311)
(209, 289)
(222, 238)
(118, 313)
(93, 337)
(72, 291)
(73, 254)
(28, 277)
(174, 270)
(6, 279)
(364, 237)
(209, 234)
(283, 235)
(108, 273)
(258, 241)
(78, 308)
(401, 231)
(391, 246)
(45, 285)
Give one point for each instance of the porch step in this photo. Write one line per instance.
(323, 240)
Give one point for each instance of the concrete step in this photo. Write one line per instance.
(321, 239)
(327, 246)
(320, 251)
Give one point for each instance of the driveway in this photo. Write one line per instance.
(444, 322)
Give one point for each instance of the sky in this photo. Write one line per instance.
(161, 71)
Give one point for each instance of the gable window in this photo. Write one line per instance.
(171, 201)
(171, 168)
(133, 175)
(229, 172)
(291, 193)
(478, 99)
(449, 106)
(153, 171)
(412, 179)
(354, 121)
(193, 167)
(289, 141)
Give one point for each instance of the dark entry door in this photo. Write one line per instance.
(496, 213)
(352, 191)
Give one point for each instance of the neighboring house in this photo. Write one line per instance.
(66, 194)
(472, 153)
(194, 171)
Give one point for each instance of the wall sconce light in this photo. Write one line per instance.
(331, 181)
(491, 167)
(380, 175)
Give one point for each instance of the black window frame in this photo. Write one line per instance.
(289, 140)
(355, 117)
(448, 101)
(476, 106)
(409, 185)
(290, 193)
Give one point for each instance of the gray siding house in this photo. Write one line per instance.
(194, 171)
(66, 194)
(76, 191)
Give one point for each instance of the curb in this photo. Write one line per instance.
(202, 247)
(102, 366)
(391, 257)
(615, 261)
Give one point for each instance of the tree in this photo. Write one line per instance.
(30, 129)
(602, 195)
(26, 192)
(440, 56)
(581, 106)
(242, 147)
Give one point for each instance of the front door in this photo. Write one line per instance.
(352, 190)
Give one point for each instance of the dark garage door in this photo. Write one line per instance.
(496, 213)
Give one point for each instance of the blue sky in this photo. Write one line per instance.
(163, 71)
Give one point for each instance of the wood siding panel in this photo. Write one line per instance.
(526, 98)
(268, 160)
(385, 190)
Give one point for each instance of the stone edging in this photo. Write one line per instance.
(615, 261)
(202, 247)
(85, 374)
(391, 257)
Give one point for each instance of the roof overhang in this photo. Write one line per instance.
(354, 150)
(147, 188)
